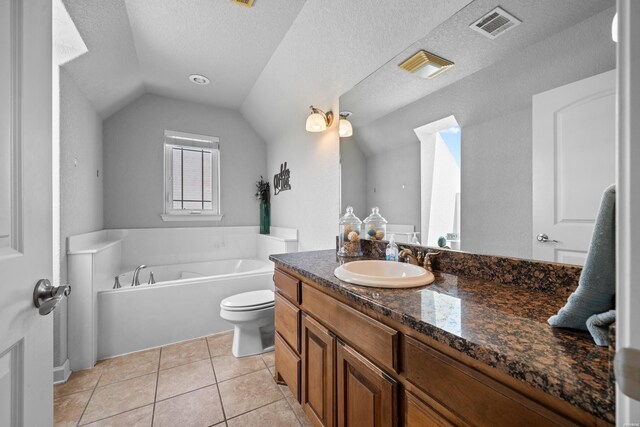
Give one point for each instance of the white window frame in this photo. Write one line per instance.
(182, 139)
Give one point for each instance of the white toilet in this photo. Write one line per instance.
(252, 314)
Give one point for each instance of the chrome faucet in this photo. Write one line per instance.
(136, 273)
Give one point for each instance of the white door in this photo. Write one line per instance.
(26, 337)
(574, 131)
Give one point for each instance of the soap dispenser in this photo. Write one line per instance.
(392, 249)
(349, 229)
(375, 226)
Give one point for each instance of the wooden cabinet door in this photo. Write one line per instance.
(366, 396)
(318, 355)
(420, 414)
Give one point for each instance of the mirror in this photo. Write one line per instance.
(509, 143)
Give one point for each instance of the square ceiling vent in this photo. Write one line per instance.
(495, 23)
(245, 3)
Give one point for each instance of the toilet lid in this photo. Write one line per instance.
(254, 300)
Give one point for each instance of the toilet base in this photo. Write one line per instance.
(250, 340)
(253, 333)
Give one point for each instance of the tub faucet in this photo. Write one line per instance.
(136, 273)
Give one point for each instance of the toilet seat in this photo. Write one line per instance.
(248, 301)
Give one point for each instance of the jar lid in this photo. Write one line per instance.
(375, 217)
(349, 217)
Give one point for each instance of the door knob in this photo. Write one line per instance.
(46, 296)
(543, 238)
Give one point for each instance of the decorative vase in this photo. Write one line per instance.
(265, 217)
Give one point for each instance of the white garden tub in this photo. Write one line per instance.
(184, 303)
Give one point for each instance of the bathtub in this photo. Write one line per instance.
(184, 303)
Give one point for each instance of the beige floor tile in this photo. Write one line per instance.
(227, 367)
(275, 414)
(272, 369)
(68, 409)
(120, 397)
(197, 408)
(248, 392)
(129, 366)
(184, 378)
(220, 344)
(141, 417)
(183, 353)
(78, 381)
(295, 406)
(269, 358)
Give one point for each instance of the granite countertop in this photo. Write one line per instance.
(504, 326)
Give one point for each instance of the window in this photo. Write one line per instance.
(192, 177)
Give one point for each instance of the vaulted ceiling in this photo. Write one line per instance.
(138, 46)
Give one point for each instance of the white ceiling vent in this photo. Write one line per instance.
(495, 23)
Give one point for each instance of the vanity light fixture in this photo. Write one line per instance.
(199, 79)
(614, 28)
(426, 64)
(318, 120)
(345, 129)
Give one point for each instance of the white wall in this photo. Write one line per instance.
(353, 176)
(81, 189)
(134, 169)
(395, 176)
(497, 209)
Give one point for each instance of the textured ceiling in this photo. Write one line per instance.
(390, 88)
(147, 45)
(332, 45)
(504, 87)
(109, 73)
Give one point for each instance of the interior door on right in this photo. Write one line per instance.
(574, 131)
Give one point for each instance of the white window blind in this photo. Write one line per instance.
(192, 178)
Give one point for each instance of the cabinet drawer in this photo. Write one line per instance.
(469, 394)
(371, 337)
(287, 321)
(287, 285)
(287, 366)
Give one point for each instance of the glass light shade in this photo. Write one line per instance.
(345, 128)
(614, 28)
(316, 123)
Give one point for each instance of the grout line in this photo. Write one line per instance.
(155, 395)
(259, 407)
(182, 364)
(215, 377)
(119, 413)
(89, 401)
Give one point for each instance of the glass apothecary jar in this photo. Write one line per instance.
(375, 226)
(349, 230)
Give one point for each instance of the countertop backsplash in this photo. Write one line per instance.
(561, 279)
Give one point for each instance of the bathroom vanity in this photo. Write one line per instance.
(462, 351)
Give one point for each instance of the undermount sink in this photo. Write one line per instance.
(384, 274)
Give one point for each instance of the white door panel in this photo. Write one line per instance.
(26, 338)
(573, 162)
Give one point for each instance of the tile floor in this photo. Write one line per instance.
(195, 383)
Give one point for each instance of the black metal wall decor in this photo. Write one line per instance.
(281, 180)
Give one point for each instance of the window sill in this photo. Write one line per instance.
(189, 218)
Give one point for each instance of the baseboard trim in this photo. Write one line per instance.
(61, 373)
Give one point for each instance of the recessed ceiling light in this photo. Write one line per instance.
(199, 79)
